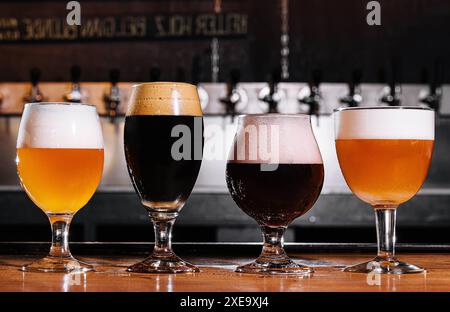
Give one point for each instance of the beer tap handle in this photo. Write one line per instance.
(74, 95)
(112, 98)
(392, 98)
(114, 75)
(427, 98)
(353, 98)
(433, 97)
(315, 93)
(425, 79)
(35, 76)
(75, 74)
(356, 80)
(235, 77)
(438, 76)
(232, 97)
(274, 80)
(313, 99)
(35, 94)
(395, 76)
(316, 77)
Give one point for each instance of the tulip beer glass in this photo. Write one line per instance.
(163, 148)
(60, 163)
(384, 154)
(275, 175)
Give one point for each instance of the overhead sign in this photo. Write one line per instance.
(176, 26)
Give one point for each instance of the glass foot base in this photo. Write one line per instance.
(154, 264)
(57, 265)
(382, 266)
(284, 267)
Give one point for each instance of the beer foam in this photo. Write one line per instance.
(60, 125)
(164, 98)
(288, 139)
(385, 123)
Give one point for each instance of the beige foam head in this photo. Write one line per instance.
(164, 98)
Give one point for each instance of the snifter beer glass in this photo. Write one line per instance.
(384, 154)
(274, 174)
(163, 148)
(60, 163)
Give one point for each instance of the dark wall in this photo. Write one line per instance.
(324, 34)
(334, 36)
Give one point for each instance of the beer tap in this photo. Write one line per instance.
(353, 98)
(35, 94)
(313, 99)
(74, 95)
(271, 93)
(232, 97)
(392, 93)
(112, 97)
(433, 97)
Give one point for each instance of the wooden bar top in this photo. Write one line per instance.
(217, 273)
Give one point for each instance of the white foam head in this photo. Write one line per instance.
(275, 138)
(60, 125)
(385, 123)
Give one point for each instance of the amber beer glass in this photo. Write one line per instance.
(60, 163)
(274, 174)
(163, 147)
(384, 154)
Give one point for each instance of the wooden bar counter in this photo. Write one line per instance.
(217, 263)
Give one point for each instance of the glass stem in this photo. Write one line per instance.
(385, 219)
(273, 245)
(163, 224)
(60, 235)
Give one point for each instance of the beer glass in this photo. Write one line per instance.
(384, 154)
(163, 147)
(274, 174)
(59, 163)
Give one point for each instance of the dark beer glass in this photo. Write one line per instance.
(275, 175)
(163, 147)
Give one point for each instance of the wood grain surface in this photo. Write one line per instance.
(217, 275)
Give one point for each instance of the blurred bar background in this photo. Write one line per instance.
(254, 56)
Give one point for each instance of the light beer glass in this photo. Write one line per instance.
(59, 163)
(163, 140)
(384, 154)
(274, 174)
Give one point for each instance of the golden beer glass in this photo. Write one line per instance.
(384, 154)
(59, 163)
